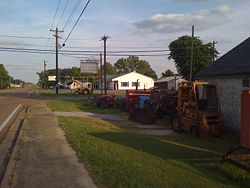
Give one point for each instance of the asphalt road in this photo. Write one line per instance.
(10, 99)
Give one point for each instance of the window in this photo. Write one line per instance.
(246, 83)
(124, 84)
(135, 83)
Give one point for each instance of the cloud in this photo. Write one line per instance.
(170, 23)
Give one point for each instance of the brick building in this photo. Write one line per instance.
(231, 75)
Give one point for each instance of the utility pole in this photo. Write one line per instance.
(192, 54)
(56, 35)
(104, 38)
(101, 71)
(214, 42)
(44, 74)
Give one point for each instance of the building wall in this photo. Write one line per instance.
(161, 85)
(144, 81)
(229, 91)
(171, 84)
(174, 83)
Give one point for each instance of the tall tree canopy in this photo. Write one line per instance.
(180, 52)
(167, 73)
(133, 63)
(110, 69)
(4, 77)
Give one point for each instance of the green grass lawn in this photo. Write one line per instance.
(117, 158)
(82, 105)
(52, 93)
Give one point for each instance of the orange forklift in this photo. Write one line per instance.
(198, 109)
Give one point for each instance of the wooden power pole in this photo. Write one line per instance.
(101, 72)
(56, 35)
(104, 38)
(192, 55)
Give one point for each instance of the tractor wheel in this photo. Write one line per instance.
(194, 131)
(103, 104)
(177, 125)
(95, 103)
(85, 91)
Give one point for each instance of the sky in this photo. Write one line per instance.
(132, 25)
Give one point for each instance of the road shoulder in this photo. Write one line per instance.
(42, 156)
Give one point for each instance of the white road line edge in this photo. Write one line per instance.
(10, 116)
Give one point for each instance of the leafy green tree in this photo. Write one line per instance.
(4, 77)
(180, 52)
(167, 73)
(110, 69)
(133, 63)
(75, 72)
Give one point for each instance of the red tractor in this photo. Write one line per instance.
(104, 101)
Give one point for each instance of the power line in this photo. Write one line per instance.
(52, 24)
(23, 37)
(55, 14)
(72, 13)
(76, 21)
(63, 12)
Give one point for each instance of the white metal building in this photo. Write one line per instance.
(129, 81)
(170, 82)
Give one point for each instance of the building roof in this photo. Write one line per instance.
(167, 79)
(134, 72)
(236, 62)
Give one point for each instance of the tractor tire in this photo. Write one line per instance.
(95, 103)
(177, 126)
(103, 104)
(85, 91)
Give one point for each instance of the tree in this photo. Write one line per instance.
(133, 63)
(110, 69)
(65, 75)
(75, 72)
(167, 73)
(4, 77)
(180, 52)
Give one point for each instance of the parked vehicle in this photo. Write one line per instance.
(198, 109)
(104, 101)
(152, 106)
(80, 87)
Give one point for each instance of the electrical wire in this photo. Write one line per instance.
(52, 24)
(77, 21)
(88, 51)
(23, 37)
(36, 51)
(58, 4)
(63, 12)
(72, 13)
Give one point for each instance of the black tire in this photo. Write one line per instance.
(95, 103)
(177, 126)
(103, 104)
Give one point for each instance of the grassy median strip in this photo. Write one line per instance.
(85, 105)
(118, 158)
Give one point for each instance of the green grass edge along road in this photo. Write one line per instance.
(118, 157)
(80, 106)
